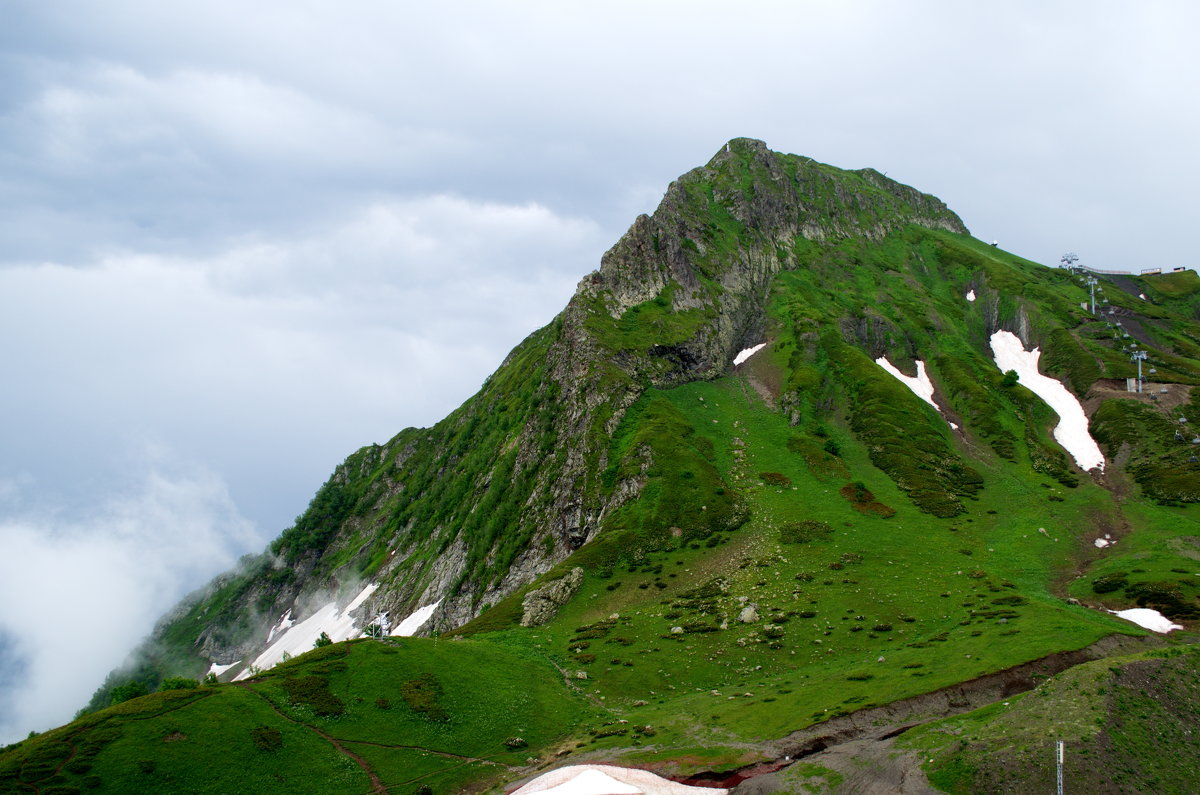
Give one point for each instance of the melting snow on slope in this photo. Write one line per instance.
(921, 386)
(1072, 429)
(608, 780)
(284, 624)
(220, 669)
(747, 353)
(1147, 618)
(298, 638)
(415, 621)
(970, 295)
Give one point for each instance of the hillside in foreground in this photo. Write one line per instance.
(627, 549)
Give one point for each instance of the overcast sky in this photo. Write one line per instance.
(239, 241)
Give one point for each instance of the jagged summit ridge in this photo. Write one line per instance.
(724, 230)
(771, 198)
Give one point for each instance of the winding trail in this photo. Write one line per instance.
(376, 783)
(868, 733)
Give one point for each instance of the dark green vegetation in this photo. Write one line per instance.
(1130, 724)
(763, 549)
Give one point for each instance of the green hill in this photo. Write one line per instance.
(643, 555)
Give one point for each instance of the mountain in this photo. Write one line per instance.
(627, 548)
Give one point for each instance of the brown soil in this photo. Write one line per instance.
(1108, 388)
(859, 745)
(869, 767)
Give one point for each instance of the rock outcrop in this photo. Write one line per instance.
(540, 605)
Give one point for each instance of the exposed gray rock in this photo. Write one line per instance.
(540, 605)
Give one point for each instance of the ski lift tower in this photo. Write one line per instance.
(1068, 260)
(1091, 282)
(1139, 357)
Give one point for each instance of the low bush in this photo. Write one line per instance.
(266, 738)
(775, 479)
(805, 531)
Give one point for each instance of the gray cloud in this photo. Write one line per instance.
(81, 590)
(260, 237)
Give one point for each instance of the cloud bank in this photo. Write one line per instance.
(79, 592)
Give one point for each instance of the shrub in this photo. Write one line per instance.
(127, 691)
(313, 691)
(804, 532)
(775, 479)
(1110, 582)
(864, 501)
(266, 738)
(322, 640)
(422, 695)
(178, 683)
(1163, 597)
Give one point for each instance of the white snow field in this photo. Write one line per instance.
(415, 621)
(1072, 429)
(970, 295)
(608, 780)
(1148, 619)
(921, 386)
(298, 638)
(746, 353)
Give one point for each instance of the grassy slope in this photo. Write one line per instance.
(944, 574)
(880, 609)
(1130, 725)
(447, 731)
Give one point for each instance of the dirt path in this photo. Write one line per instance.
(866, 767)
(447, 754)
(568, 680)
(860, 747)
(376, 783)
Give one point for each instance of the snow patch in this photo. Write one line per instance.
(608, 780)
(298, 638)
(284, 624)
(1147, 618)
(747, 353)
(1101, 543)
(921, 386)
(1142, 296)
(1072, 429)
(217, 670)
(415, 621)
(970, 295)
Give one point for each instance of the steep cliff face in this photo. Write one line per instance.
(511, 483)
